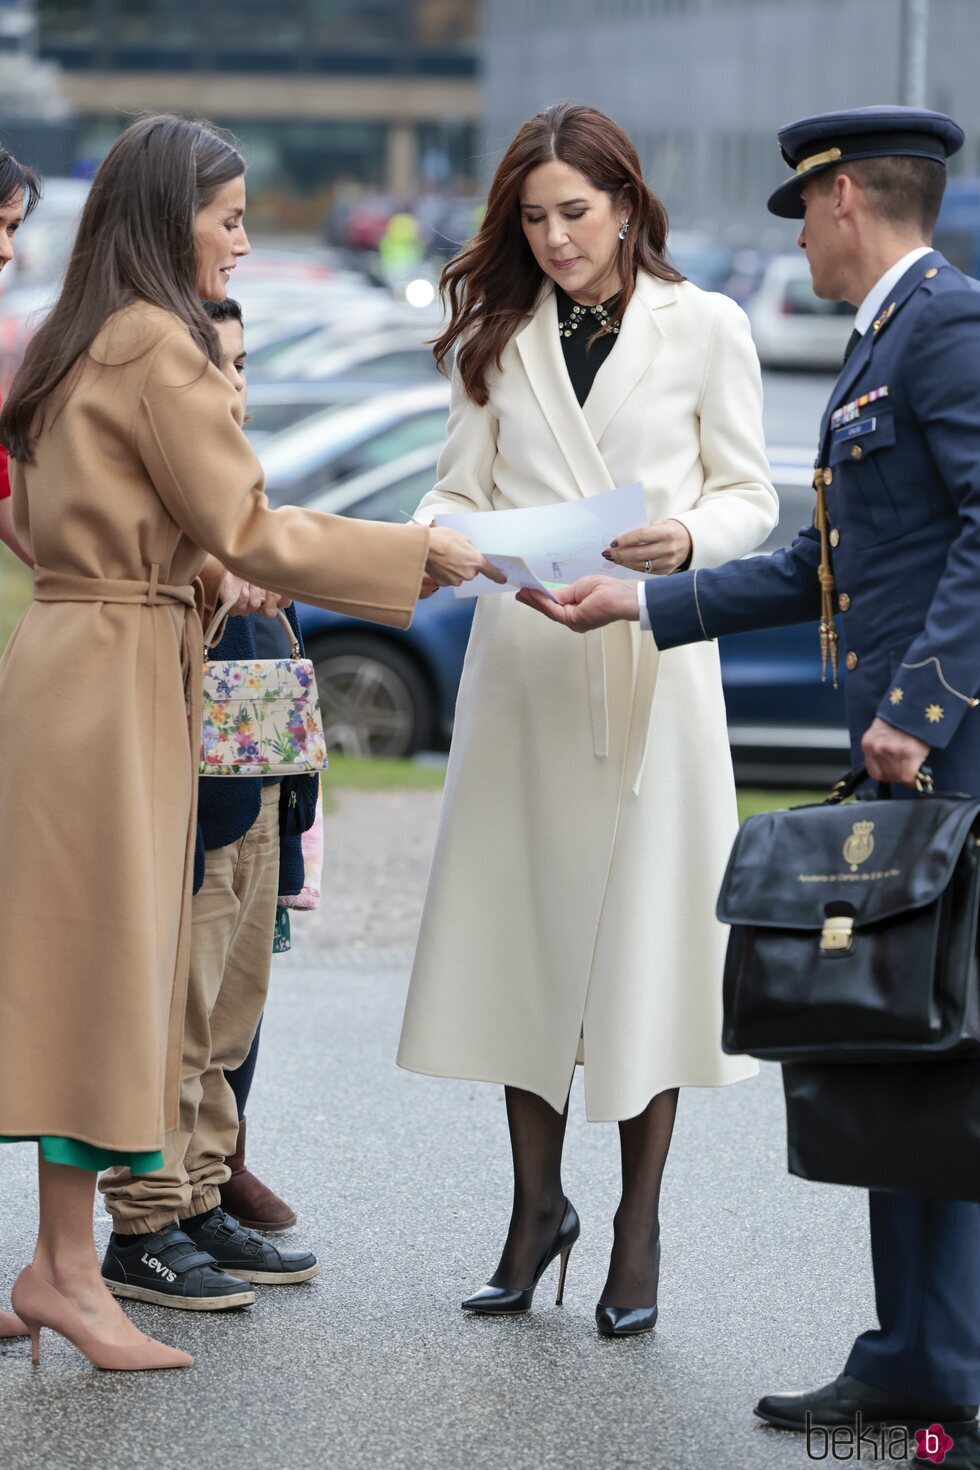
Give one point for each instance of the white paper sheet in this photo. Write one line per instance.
(551, 545)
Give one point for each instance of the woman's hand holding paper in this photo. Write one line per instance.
(454, 559)
(660, 548)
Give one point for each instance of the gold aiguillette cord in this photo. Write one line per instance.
(829, 639)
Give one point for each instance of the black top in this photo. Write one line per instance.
(576, 324)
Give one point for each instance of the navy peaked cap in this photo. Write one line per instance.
(833, 138)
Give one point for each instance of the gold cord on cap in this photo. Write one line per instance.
(816, 159)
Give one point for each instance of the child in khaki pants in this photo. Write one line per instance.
(173, 1244)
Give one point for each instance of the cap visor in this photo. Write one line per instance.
(787, 202)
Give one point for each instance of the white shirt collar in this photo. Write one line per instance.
(875, 298)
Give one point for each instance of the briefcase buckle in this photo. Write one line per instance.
(838, 933)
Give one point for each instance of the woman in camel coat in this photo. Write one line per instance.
(589, 806)
(133, 484)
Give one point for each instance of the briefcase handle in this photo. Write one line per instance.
(847, 785)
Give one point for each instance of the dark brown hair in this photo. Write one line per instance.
(135, 242)
(492, 285)
(228, 310)
(905, 192)
(17, 178)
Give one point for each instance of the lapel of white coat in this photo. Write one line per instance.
(540, 350)
(641, 337)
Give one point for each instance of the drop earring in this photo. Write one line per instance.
(623, 228)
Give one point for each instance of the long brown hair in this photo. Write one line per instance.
(135, 241)
(493, 284)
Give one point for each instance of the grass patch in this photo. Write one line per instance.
(752, 800)
(16, 590)
(358, 773)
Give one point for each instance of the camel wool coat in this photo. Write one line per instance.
(590, 806)
(141, 469)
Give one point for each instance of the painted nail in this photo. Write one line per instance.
(614, 543)
(607, 555)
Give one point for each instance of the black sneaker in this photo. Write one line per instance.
(247, 1254)
(169, 1270)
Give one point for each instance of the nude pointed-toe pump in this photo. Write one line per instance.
(39, 1304)
(11, 1326)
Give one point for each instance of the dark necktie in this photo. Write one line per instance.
(852, 342)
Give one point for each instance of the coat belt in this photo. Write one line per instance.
(644, 680)
(68, 587)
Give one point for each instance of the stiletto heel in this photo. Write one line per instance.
(39, 1304)
(500, 1301)
(562, 1272)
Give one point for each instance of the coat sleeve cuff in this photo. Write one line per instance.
(673, 610)
(921, 701)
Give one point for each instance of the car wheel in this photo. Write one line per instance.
(373, 698)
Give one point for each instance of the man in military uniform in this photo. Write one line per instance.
(895, 551)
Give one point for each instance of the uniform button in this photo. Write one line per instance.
(857, 452)
(835, 537)
(843, 602)
(828, 476)
(852, 660)
(932, 271)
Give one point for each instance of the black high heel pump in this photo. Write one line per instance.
(626, 1321)
(497, 1301)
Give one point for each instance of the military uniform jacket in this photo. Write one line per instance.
(900, 458)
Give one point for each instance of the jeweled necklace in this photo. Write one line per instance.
(579, 314)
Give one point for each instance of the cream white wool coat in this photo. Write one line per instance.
(590, 806)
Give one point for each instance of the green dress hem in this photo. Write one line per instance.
(87, 1156)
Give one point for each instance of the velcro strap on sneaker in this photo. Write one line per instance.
(188, 1260)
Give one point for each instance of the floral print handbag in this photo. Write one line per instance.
(261, 716)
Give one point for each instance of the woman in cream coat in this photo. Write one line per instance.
(590, 805)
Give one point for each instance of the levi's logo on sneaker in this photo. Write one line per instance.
(159, 1268)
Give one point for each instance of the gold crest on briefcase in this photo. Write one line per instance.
(860, 845)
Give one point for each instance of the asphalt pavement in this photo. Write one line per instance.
(402, 1185)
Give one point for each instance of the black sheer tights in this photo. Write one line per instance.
(537, 1134)
(634, 1266)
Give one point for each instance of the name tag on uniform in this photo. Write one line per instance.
(854, 431)
(848, 412)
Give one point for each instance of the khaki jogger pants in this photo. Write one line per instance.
(233, 918)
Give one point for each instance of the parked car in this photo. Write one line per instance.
(384, 358)
(701, 258)
(386, 692)
(322, 451)
(791, 326)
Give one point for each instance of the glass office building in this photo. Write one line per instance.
(703, 85)
(321, 93)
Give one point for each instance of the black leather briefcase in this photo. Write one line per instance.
(900, 1126)
(854, 931)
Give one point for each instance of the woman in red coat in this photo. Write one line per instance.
(20, 189)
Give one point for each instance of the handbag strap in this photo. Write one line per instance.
(216, 629)
(848, 784)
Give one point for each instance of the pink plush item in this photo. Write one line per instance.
(309, 895)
